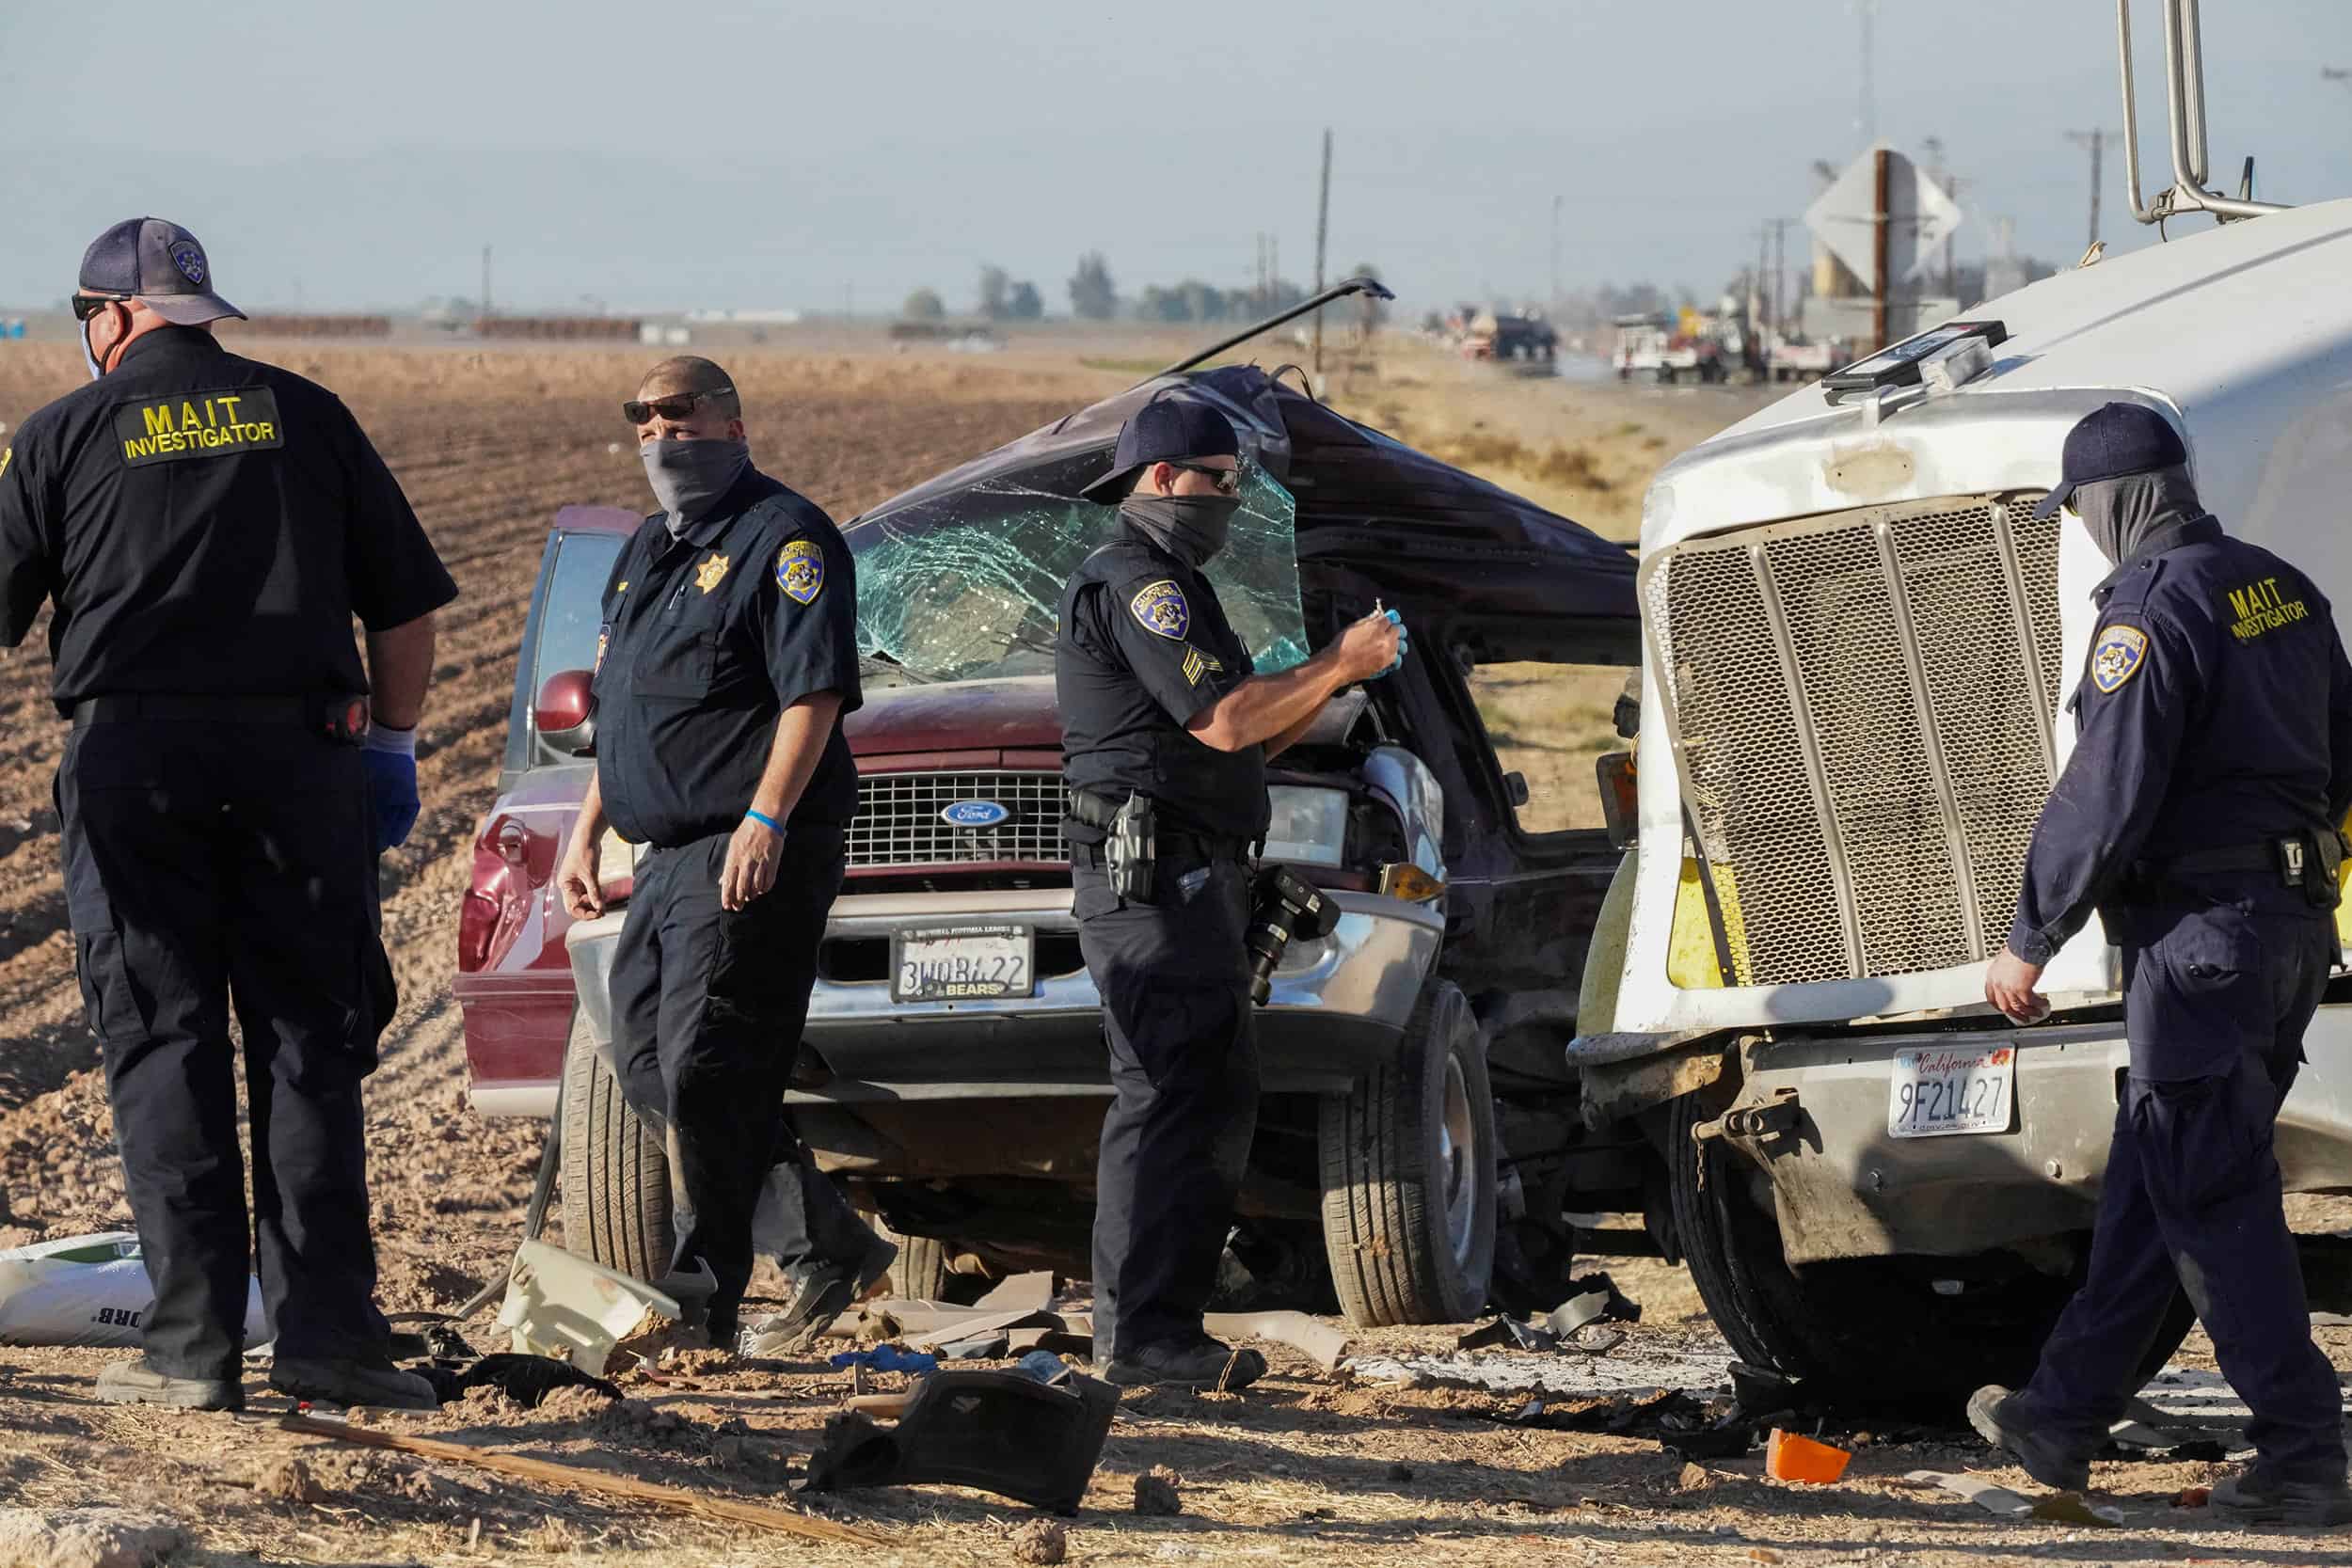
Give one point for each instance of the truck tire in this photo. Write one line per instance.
(1409, 1176)
(617, 1173)
(1874, 1325)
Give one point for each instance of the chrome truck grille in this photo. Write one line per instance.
(899, 821)
(1862, 706)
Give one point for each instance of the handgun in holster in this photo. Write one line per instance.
(1131, 851)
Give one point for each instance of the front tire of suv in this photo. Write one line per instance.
(1874, 1325)
(615, 1172)
(1409, 1176)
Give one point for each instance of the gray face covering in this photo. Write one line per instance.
(2120, 513)
(1190, 528)
(688, 477)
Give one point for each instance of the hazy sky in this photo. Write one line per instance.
(730, 154)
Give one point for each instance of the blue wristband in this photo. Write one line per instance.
(764, 820)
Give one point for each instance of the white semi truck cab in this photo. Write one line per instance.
(1860, 648)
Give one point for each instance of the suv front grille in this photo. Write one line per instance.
(1863, 705)
(899, 821)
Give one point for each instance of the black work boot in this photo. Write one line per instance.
(1204, 1364)
(2255, 1495)
(2050, 1459)
(822, 1292)
(352, 1383)
(137, 1382)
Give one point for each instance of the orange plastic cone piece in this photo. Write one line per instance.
(1789, 1457)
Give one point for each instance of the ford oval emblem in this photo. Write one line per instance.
(976, 814)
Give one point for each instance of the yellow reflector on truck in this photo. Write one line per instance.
(1690, 960)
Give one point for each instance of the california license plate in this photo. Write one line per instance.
(1937, 1092)
(948, 964)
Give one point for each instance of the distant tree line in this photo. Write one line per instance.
(1094, 296)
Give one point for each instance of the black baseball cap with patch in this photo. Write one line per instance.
(2113, 440)
(159, 264)
(1165, 429)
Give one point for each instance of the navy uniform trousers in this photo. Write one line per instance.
(1174, 980)
(204, 862)
(2192, 1192)
(708, 1009)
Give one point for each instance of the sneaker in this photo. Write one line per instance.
(2254, 1497)
(1205, 1364)
(352, 1383)
(1993, 1411)
(137, 1382)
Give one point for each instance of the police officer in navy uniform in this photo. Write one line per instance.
(207, 527)
(2198, 814)
(1160, 703)
(727, 661)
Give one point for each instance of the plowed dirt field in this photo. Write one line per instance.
(1305, 1467)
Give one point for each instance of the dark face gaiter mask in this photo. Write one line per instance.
(688, 477)
(1193, 529)
(2119, 515)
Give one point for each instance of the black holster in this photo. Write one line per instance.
(1131, 840)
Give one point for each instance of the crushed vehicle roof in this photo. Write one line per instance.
(1357, 490)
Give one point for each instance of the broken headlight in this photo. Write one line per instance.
(1308, 826)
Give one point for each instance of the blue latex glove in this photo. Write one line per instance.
(1404, 645)
(391, 794)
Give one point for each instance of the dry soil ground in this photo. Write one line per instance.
(1303, 1467)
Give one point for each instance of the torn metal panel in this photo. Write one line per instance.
(1616, 1090)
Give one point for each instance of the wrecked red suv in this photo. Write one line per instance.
(1417, 1130)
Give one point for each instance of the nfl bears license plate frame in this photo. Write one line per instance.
(969, 961)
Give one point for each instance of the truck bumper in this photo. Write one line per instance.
(1844, 1188)
(1339, 1008)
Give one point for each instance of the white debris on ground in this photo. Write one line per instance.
(1641, 1366)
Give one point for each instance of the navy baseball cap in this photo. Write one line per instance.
(1164, 430)
(2110, 441)
(159, 264)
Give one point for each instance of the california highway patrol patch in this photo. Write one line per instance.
(2117, 657)
(1160, 607)
(801, 571)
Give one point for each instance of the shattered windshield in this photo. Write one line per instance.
(965, 587)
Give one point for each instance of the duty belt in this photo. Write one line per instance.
(303, 712)
(2308, 862)
(1095, 811)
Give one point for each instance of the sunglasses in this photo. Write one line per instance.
(87, 306)
(1227, 480)
(678, 407)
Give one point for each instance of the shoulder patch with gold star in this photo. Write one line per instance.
(801, 571)
(2117, 657)
(1159, 607)
(711, 573)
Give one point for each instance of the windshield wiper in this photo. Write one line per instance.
(876, 658)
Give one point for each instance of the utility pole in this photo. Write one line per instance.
(1758, 305)
(1552, 306)
(1883, 253)
(1323, 226)
(2096, 141)
(485, 279)
(1866, 121)
(1780, 271)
